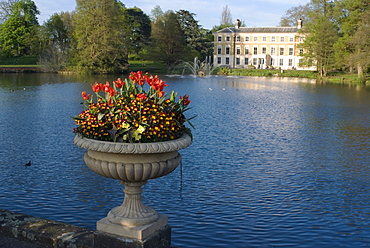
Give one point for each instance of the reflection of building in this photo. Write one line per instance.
(263, 47)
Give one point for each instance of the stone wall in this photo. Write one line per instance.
(48, 233)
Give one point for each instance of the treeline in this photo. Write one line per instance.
(337, 35)
(100, 36)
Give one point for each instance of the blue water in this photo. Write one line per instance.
(275, 162)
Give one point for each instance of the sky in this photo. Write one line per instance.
(254, 13)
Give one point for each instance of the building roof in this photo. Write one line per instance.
(259, 30)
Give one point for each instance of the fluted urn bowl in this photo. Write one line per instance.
(133, 164)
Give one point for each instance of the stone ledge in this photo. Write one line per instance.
(44, 232)
(48, 233)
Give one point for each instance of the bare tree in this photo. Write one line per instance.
(226, 19)
(293, 14)
(5, 9)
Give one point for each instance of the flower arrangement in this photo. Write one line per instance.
(125, 112)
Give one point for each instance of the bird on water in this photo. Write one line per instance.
(28, 164)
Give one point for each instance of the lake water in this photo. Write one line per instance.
(276, 162)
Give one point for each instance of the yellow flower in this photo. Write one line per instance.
(137, 133)
(125, 125)
(140, 129)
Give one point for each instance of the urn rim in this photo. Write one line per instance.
(133, 148)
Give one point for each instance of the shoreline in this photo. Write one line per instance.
(21, 69)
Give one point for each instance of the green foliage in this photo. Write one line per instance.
(195, 37)
(352, 48)
(320, 36)
(99, 35)
(19, 32)
(57, 41)
(360, 42)
(168, 44)
(137, 28)
(20, 60)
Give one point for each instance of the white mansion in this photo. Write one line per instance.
(262, 47)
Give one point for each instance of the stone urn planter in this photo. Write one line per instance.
(133, 164)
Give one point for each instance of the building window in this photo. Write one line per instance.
(246, 61)
(227, 61)
(238, 50)
(238, 61)
(301, 51)
(264, 38)
(246, 38)
(264, 50)
(281, 62)
(227, 38)
(219, 38)
(246, 50)
(281, 51)
(273, 50)
(227, 50)
(290, 51)
(291, 39)
(272, 61)
(282, 39)
(273, 38)
(290, 62)
(238, 38)
(254, 50)
(219, 49)
(254, 61)
(219, 60)
(255, 38)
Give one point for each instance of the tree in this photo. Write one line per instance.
(19, 33)
(349, 14)
(293, 14)
(226, 19)
(57, 32)
(194, 36)
(168, 43)
(99, 35)
(6, 9)
(138, 29)
(360, 42)
(321, 34)
(156, 13)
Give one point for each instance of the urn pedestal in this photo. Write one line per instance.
(133, 164)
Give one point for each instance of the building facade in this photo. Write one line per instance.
(260, 47)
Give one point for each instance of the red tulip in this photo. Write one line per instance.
(96, 87)
(119, 83)
(85, 96)
(185, 100)
(141, 96)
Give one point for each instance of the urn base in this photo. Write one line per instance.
(136, 232)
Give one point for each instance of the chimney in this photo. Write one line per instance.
(299, 23)
(237, 23)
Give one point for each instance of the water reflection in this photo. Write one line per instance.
(274, 162)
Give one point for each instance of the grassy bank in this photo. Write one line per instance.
(149, 66)
(337, 77)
